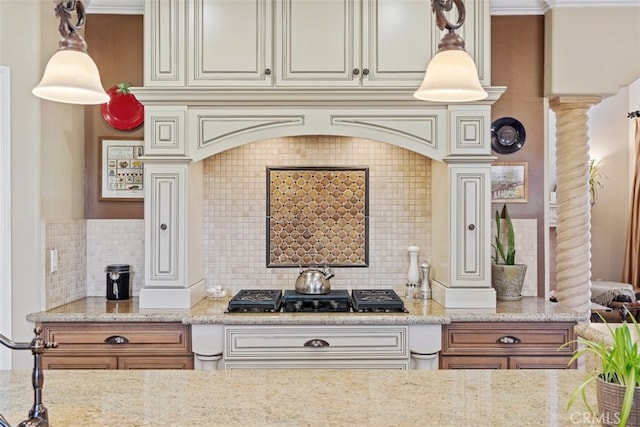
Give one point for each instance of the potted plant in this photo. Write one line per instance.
(617, 379)
(507, 277)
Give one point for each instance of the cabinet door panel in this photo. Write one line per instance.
(230, 43)
(164, 204)
(164, 53)
(471, 260)
(397, 42)
(539, 362)
(479, 362)
(318, 42)
(129, 362)
(79, 362)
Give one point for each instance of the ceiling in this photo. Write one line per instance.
(498, 7)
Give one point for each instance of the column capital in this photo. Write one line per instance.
(573, 101)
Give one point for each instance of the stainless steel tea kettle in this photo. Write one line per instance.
(314, 280)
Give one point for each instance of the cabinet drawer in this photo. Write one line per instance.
(79, 362)
(315, 342)
(118, 338)
(508, 338)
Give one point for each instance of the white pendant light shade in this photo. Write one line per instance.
(451, 76)
(71, 77)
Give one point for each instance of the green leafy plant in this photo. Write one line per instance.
(504, 254)
(620, 365)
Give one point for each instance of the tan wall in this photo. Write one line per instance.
(115, 44)
(517, 62)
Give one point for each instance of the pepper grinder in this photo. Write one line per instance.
(425, 288)
(413, 277)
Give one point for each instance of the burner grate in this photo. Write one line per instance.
(255, 301)
(335, 301)
(377, 301)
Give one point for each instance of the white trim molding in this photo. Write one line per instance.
(5, 215)
(585, 4)
(115, 7)
(498, 7)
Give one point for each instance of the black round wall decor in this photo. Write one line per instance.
(507, 135)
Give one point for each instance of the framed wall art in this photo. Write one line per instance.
(121, 169)
(509, 182)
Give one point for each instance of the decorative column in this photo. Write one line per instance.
(573, 247)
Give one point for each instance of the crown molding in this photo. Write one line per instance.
(518, 7)
(498, 7)
(556, 4)
(540, 7)
(115, 7)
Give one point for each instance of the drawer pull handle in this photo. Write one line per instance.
(316, 343)
(116, 339)
(508, 339)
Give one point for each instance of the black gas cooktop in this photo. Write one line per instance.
(336, 301)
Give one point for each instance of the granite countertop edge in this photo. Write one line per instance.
(96, 309)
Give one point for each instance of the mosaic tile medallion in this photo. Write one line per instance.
(317, 215)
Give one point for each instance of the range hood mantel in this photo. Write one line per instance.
(295, 97)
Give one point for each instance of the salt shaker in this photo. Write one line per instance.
(425, 288)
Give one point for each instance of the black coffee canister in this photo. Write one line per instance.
(117, 281)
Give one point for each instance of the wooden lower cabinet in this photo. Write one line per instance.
(507, 345)
(94, 345)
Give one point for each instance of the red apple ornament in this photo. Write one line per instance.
(123, 111)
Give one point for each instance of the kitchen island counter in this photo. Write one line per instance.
(300, 397)
(99, 309)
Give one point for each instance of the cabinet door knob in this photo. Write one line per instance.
(508, 339)
(471, 227)
(356, 71)
(316, 343)
(267, 71)
(365, 71)
(163, 227)
(116, 339)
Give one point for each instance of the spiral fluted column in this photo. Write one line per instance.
(573, 240)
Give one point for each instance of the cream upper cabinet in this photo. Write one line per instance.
(165, 43)
(300, 43)
(384, 43)
(397, 42)
(230, 43)
(318, 42)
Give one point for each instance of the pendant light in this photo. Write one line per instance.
(71, 76)
(451, 75)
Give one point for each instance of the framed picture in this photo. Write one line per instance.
(509, 182)
(121, 169)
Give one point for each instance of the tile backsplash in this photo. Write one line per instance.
(114, 242)
(235, 195)
(235, 209)
(67, 284)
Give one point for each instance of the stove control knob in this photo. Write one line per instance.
(334, 305)
(297, 306)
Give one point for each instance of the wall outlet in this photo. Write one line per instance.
(53, 260)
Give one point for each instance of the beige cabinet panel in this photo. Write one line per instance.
(230, 43)
(318, 43)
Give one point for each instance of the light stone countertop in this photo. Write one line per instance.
(99, 309)
(301, 398)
